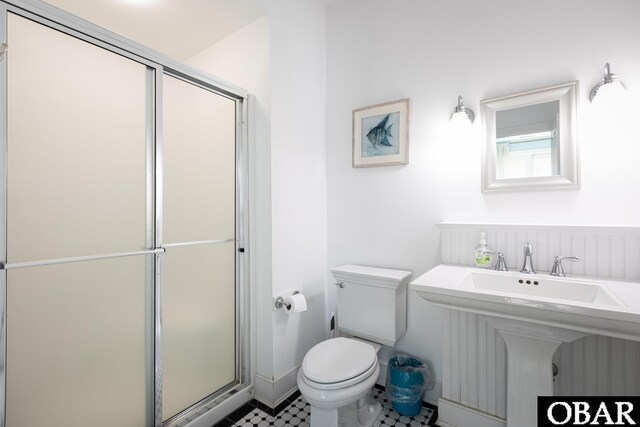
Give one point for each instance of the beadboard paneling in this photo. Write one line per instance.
(605, 252)
(474, 363)
(474, 353)
(598, 365)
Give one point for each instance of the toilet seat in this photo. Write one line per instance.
(341, 384)
(333, 399)
(338, 363)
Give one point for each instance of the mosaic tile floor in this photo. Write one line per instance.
(296, 412)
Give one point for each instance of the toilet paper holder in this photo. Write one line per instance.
(279, 302)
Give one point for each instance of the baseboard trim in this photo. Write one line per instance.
(272, 392)
(452, 414)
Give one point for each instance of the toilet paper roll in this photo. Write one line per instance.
(295, 304)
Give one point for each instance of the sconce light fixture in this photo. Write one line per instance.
(609, 82)
(462, 112)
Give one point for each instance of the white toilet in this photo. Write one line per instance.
(337, 375)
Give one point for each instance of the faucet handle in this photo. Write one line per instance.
(558, 269)
(501, 264)
(567, 258)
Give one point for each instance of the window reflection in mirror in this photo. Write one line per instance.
(527, 141)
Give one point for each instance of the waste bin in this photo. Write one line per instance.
(406, 382)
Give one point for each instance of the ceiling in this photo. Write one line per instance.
(177, 28)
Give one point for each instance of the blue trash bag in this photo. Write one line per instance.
(407, 380)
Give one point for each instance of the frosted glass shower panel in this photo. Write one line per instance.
(76, 344)
(198, 323)
(76, 146)
(199, 163)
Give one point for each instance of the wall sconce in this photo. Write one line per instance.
(462, 113)
(609, 83)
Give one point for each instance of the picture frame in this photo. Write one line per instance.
(381, 134)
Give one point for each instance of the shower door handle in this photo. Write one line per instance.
(5, 266)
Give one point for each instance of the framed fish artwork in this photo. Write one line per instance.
(381, 134)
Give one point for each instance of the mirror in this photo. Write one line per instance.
(527, 141)
(530, 140)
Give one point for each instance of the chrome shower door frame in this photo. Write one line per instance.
(157, 65)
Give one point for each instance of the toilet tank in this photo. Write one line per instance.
(372, 303)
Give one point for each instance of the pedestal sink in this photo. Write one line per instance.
(535, 313)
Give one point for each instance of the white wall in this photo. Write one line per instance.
(431, 52)
(280, 59)
(298, 163)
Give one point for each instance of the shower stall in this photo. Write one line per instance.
(122, 229)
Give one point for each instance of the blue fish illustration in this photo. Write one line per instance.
(381, 133)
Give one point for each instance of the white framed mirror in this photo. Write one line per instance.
(530, 141)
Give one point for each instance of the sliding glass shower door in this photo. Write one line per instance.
(199, 315)
(76, 188)
(121, 268)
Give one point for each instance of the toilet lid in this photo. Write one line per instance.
(338, 360)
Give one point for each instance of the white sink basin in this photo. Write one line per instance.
(535, 314)
(594, 306)
(538, 286)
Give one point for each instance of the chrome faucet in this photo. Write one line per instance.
(558, 269)
(501, 264)
(527, 267)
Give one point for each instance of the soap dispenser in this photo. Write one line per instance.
(484, 254)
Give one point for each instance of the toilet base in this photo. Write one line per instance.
(365, 411)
